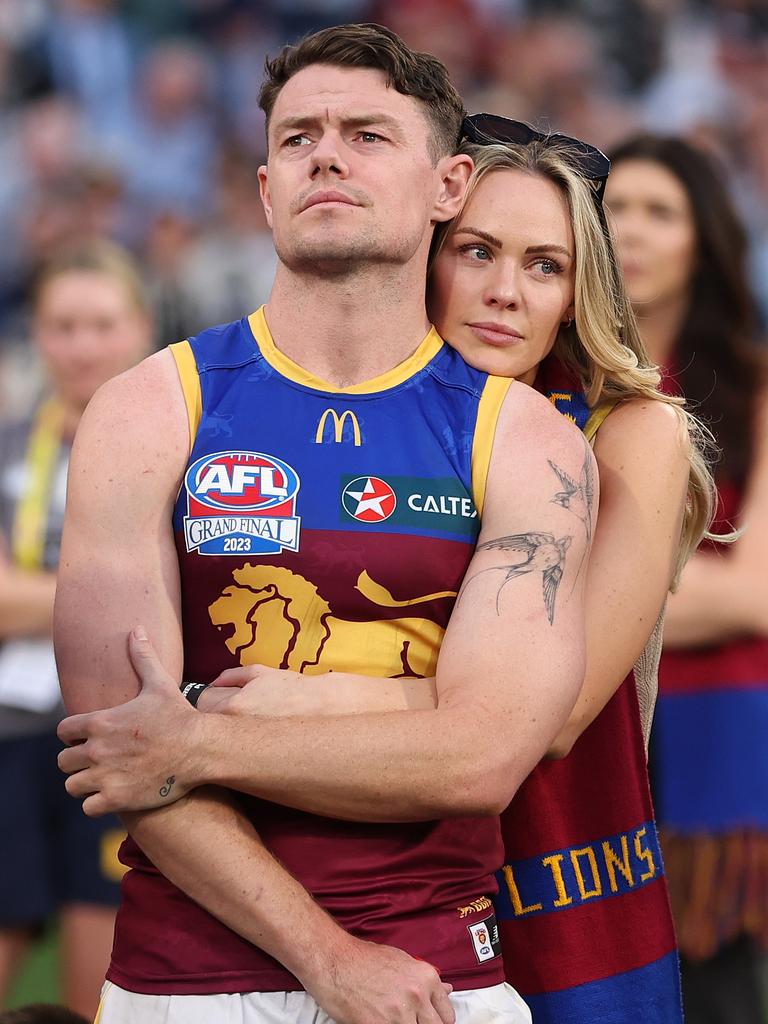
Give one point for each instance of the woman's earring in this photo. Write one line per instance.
(568, 322)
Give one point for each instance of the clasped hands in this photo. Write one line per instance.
(150, 751)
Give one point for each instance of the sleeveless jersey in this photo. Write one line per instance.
(324, 530)
(583, 908)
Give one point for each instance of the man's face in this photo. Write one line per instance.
(349, 178)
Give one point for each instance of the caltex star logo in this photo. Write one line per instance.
(369, 499)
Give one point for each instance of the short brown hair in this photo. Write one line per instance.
(372, 46)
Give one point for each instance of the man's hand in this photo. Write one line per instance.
(138, 755)
(365, 983)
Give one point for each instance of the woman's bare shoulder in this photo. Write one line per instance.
(644, 427)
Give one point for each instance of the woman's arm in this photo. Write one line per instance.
(641, 451)
(724, 594)
(641, 455)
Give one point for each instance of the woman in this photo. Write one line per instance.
(684, 254)
(90, 322)
(526, 273)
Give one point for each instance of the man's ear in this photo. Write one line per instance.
(264, 193)
(454, 174)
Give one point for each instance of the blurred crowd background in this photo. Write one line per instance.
(137, 119)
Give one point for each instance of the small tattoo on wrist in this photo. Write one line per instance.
(166, 789)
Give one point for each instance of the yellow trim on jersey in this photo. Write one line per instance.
(427, 350)
(190, 385)
(31, 518)
(598, 416)
(494, 393)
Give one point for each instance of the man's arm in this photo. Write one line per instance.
(118, 569)
(509, 671)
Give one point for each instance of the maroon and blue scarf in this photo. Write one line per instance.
(583, 908)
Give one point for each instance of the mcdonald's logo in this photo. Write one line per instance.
(338, 427)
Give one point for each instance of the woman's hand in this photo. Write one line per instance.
(278, 693)
(258, 690)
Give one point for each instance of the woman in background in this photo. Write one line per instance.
(684, 255)
(90, 322)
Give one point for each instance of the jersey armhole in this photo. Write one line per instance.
(598, 416)
(190, 385)
(491, 400)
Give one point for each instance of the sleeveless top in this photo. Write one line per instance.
(583, 909)
(321, 529)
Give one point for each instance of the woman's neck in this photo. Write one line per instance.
(660, 325)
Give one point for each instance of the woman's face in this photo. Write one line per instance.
(87, 329)
(503, 282)
(655, 233)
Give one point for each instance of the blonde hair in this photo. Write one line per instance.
(99, 256)
(602, 346)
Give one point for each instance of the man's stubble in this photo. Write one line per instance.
(346, 255)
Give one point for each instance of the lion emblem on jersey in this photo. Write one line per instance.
(279, 618)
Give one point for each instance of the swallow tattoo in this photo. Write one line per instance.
(545, 555)
(577, 497)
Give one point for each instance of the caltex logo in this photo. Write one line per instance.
(369, 499)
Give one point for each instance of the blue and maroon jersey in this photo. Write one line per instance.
(583, 906)
(321, 530)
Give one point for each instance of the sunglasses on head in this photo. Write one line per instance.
(589, 161)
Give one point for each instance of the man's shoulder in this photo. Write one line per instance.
(140, 388)
(138, 417)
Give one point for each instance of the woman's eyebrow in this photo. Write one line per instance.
(548, 247)
(490, 239)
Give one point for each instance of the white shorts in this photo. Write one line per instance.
(499, 1004)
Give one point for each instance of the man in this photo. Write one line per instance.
(310, 422)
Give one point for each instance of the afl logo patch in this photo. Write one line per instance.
(241, 503)
(368, 499)
(485, 939)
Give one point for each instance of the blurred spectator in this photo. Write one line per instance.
(168, 244)
(683, 251)
(230, 268)
(90, 323)
(553, 63)
(454, 30)
(297, 17)
(239, 34)
(42, 154)
(115, 114)
(92, 60)
(167, 154)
